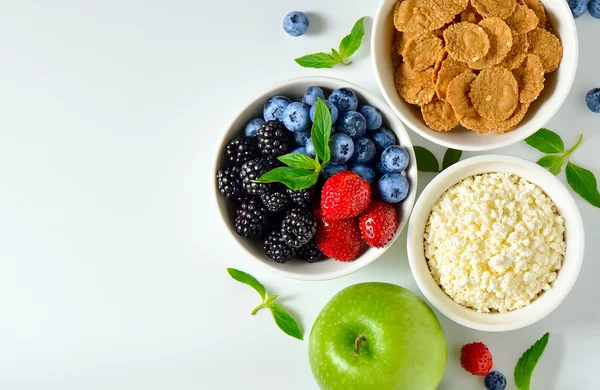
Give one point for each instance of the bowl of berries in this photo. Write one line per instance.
(315, 178)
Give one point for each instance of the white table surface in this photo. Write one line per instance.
(112, 262)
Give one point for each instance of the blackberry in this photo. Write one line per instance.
(273, 139)
(252, 170)
(242, 149)
(298, 227)
(251, 218)
(302, 198)
(310, 252)
(275, 198)
(276, 249)
(229, 182)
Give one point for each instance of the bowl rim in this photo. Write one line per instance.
(394, 124)
(537, 310)
(380, 19)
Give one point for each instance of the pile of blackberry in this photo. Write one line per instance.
(268, 212)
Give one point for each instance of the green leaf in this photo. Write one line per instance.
(336, 54)
(584, 183)
(451, 157)
(426, 161)
(293, 178)
(270, 299)
(248, 279)
(553, 162)
(321, 131)
(546, 141)
(285, 322)
(317, 60)
(297, 160)
(527, 362)
(352, 42)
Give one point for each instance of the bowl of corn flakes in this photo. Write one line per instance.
(475, 74)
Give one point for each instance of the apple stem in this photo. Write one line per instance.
(357, 343)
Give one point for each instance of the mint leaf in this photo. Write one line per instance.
(336, 54)
(426, 161)
(297, 160)
(451, 157)
(285, 321)
(528, 361)
(293, 178)
(317, 60)
(249, 280)
(546, 141)
(553, 162)
(321, 131)
(584, 183)
(351, 42)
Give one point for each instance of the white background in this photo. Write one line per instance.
(112, 262)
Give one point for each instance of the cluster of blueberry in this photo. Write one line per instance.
(579, 7)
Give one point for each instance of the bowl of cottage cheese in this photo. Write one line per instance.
(495, 242)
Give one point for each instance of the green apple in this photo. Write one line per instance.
(377, 336)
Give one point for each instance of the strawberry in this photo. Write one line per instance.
(344, 195)
(378, 223)
(476, 359)
(339, 238)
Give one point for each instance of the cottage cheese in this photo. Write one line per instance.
(494, 242)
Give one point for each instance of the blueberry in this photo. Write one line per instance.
(594, 8)
(332, 110)
(310, 148)
(252, 127)
(353, 124)
(300, 150)
(380, 168)
(311, 95)
(592, 100)
(301, 136)
(296, 116)
(578, 7)
(364, 150)
(345, 99)
(364, 171)
(295, 23)
(342, 147)
(382, 138)
(372, 115)
(274, 107)
(394, 158)
(495, 380)
(331, 168)
(393, 187)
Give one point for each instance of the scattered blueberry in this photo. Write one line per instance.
(295, 23)
(353, 124)
(301, 136)
(594, 8)
(394, 158)
(345, 99)
(300, 150)
(311, 95)
(495, 380)
(274, 107)
(332, 110)
(364, 171)
(592, 100)
(578, 7)
(380, 168)
(296, 116)
(393, 187)
(382, 138)
(372, 115)
(252, 127)
(342, 147)
(364, 150)
(309, 147)
(331, 168)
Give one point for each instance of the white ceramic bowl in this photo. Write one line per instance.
(556, 89)
(546, 302)
(326, 269)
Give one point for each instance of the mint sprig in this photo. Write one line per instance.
(348, 46)
(302, 171)
(426, 161)
(282, 318)
(581, 180)
(528, 361)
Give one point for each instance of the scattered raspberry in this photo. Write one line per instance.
(476, 359)
(378, 223)
(339, 239)
(344, 195)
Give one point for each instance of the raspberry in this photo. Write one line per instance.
(251, 218)
(273, 139)
(476, 359)
(344, 195)
(242, 149)
(276, 249)
(378, 223)
(298, 227)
